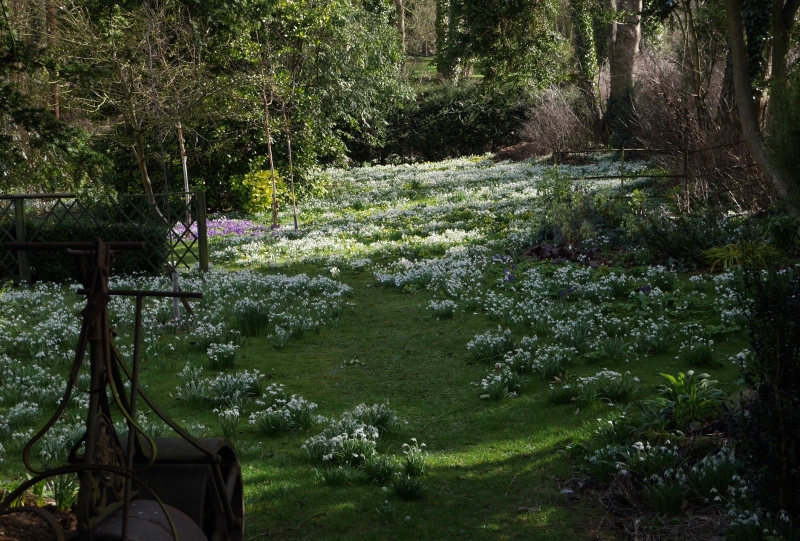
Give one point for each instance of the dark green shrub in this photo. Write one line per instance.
(768, 440)
(683, 238)
(445, 121)
(782, 230)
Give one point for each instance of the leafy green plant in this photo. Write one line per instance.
(783, 230)
(502, 382)
(345, 441)
(667, 492)
(693, 397)
(378, 469)
(381, 416)
(613, 348)
(655, 414)
(602, 463)
(228, 421)
(489, 346)
(579, 337)
(254, 189)
(645, 460)
(444, 309)
(337, 476)
(9, 486)
(408, 488)
(562, 390)
(699, 353)
(64, 490)
(273, 421)
(222, 356)
(415, 461)
(284, 415)
(552, 361)
(750, 253)
(37, 490)
(387, 512)
(193, 390)
(252, 317)
(607, 387)
(713, 475)
(662, 339)
(661, 278)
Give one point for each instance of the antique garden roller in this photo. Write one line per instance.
(137, 487)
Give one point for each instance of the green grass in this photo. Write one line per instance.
(496, 470)
(488, 460)
(420, 67)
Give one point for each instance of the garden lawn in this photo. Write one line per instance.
(497, 469)
(400, 312)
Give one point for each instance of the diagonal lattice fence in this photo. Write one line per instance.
(173, 228)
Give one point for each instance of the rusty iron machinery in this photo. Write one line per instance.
(137, 487)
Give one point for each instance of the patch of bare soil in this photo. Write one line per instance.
(28, 526)
(517, 153)
(31, 527)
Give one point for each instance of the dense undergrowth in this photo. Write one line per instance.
(403, 366)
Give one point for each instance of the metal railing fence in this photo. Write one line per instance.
(704, 172)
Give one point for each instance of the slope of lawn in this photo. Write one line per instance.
(404, 287)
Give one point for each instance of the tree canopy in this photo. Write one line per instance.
(92, 93)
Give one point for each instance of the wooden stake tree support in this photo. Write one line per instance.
(138, 487)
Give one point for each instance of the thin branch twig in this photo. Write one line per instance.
(270, 533)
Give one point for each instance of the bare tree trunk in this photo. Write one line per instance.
(783, 21)
(748, 112)
(187, 198)
(291, 165)
(138, 150)
(401, 23)
(52, 41)
(623, 46)
(267, 103)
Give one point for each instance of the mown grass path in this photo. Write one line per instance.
(496, 471)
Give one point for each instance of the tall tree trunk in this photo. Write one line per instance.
(401, 23)
(783, 21)
(623, 46)
(138, 150)
(267, 103)
(184, 166)
(52, 41)
(288, 130)
(748, 112)
(586, 58)
(446, 60)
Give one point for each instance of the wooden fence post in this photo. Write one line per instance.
(202, 232)
(555, 163)
(22, 236)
